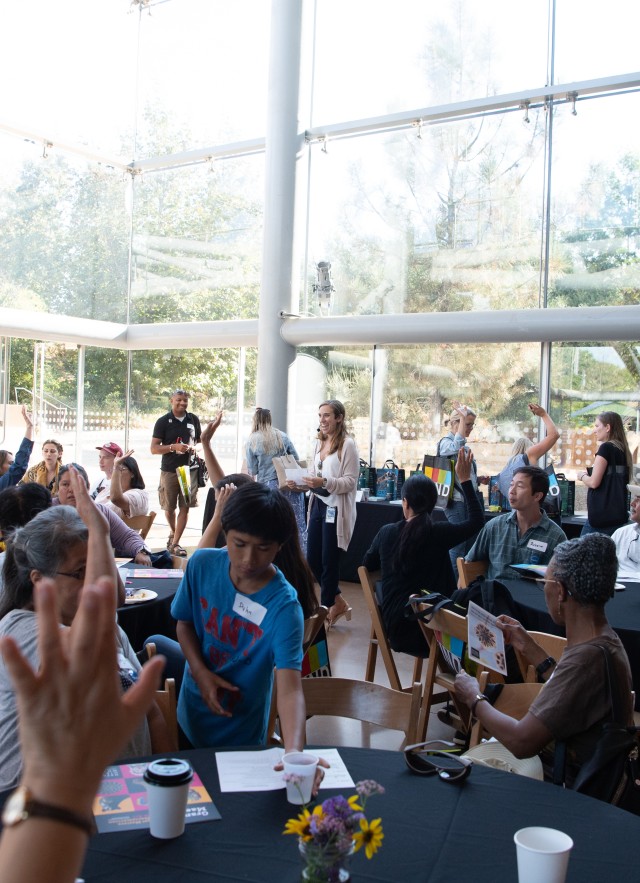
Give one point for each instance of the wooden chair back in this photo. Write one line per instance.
(167, 700)
(140, 523)
(470, 570)
(553, 645)
(362, 701)
(514, 700)
(312, 626)
(378, 639)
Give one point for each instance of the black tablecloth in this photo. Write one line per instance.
(139, 621)
(434, 831)
(623, 613)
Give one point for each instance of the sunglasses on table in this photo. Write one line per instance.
(438, 758)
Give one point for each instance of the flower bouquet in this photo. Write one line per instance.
(335, 829)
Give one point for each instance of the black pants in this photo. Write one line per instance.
(323, 553)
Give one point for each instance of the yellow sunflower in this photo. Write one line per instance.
(353, 803)
(301, 825)
(370, 836)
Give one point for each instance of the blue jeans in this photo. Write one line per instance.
(172, 651)
(587, 529)
(323, 553)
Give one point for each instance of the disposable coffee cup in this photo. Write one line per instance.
(302, 765)
(543, 855)
(167, 782)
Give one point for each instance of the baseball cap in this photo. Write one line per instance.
(634, 489)
(110, 448)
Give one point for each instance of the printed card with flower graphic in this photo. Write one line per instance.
(485, 640)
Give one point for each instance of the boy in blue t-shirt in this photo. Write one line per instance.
(238, 618)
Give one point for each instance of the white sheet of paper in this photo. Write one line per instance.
(296, 474)
(485, 641)
(253, 770)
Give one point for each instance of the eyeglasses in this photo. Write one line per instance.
(122, 469)
(543, 580)
(426, 759)
(74, 574)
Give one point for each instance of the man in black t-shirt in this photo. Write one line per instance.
(175, 436)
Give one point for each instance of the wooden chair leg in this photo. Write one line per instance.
(372, 656)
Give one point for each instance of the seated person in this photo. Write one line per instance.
(125, 542)
(627, 538)
(575, 700)
(238, 618)
(67, 549)
(526, 535)
(18, 505)
(414, 554)
(127, 494)
(12, 469)
(106, 458)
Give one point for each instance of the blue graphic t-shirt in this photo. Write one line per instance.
(242, 638)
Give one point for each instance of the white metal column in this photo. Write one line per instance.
(283, 146)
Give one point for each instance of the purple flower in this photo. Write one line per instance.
(368, 787)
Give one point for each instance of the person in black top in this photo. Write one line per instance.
(607, 483)
(414, 554)
(175, 436)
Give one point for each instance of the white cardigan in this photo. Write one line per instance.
(343, 486)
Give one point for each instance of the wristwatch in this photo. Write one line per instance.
(21, 806)
(324, 483)
(480, 697)
(544, 666)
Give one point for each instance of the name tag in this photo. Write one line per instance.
(249, 609)
(537, 545)
(331, 514)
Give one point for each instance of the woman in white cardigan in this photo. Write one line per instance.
(333, 480)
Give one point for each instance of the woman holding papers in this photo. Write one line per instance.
(575, 699)
(265, 443)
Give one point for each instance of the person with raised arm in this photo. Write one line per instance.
(13, 468)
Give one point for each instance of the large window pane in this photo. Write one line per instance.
(592, 43)
(447, 221)
(596, 205)
(64, 243)
(203, 74)
(373, 57)
(197, 245)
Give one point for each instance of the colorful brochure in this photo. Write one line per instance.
(485, 641)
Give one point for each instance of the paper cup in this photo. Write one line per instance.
(543, 854)
(297, 763)
(167, 782)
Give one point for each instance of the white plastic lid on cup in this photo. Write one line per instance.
(302, 765)
(543, 854)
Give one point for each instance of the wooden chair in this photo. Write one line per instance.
(312, 626)
(362, 701)
(178, 562)
(378, 639)
(167, 701)
(443, 623)
(514, 700)
(470, 570)
(553, 645)
(140, 523)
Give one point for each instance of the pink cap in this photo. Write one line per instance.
(111, 448)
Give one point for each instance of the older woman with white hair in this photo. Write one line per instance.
(527, 453)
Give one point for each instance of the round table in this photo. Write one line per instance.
(146, 618)
(623, 613)
(434, 831)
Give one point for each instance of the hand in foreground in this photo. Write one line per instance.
(73, 717)
(85, 506)
(319, 776)
(536, 409)
(463, 464)
(27, 417)
(224, 494)
(209, 430)
(210, 686)
(143, 559)
(312, 481)
(466, 688)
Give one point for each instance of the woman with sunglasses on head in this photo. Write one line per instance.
(46, 471)
(575, 700)
(461, 423)
(612, 470)
(333, 480)
(127, 494)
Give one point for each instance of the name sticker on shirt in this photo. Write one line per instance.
(248, 609)
(537, 545)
